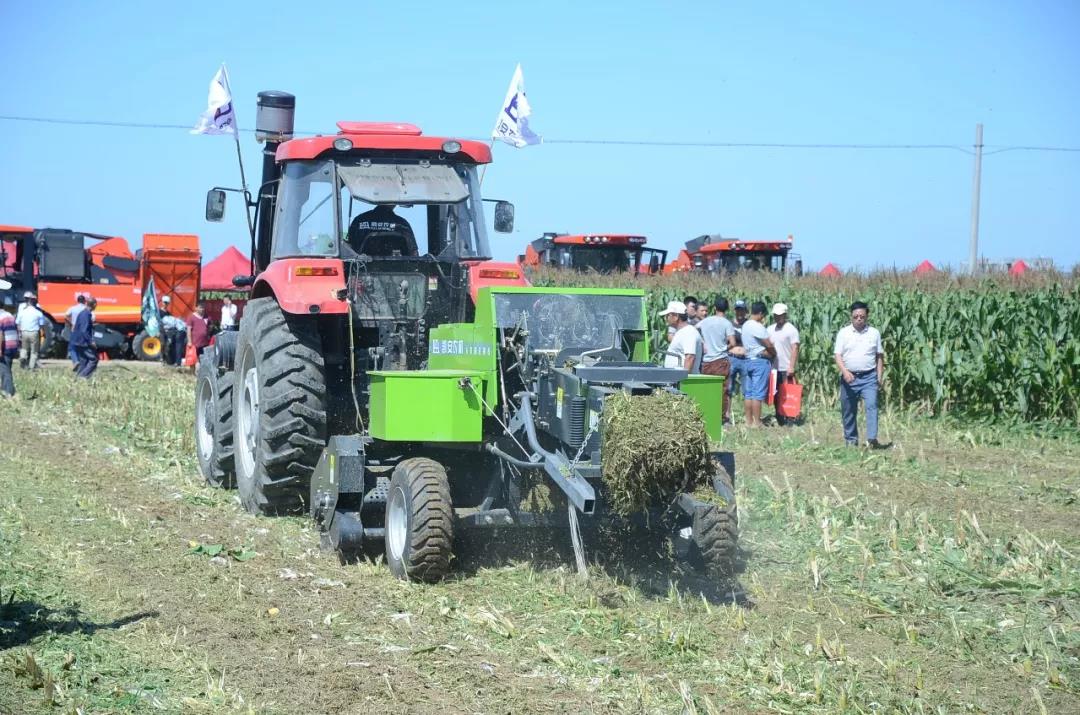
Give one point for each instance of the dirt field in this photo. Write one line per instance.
(940, 576)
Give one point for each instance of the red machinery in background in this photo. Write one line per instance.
(716, 254)
(59, 265)
(602, 253)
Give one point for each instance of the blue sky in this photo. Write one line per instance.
(815, 72)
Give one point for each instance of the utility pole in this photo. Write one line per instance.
(977, 182)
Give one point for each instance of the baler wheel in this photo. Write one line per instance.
(715, 534)
(146, 347)
(279, 408)
(419, 521)
(213, 421)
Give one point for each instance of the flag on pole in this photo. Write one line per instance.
(151, 314)
(219, 117)
(512, 124)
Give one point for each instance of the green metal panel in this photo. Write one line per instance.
(425, 406)
(469, 347)
(708, 392)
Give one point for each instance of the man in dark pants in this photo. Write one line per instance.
(82, 337)
(9, 348)
(861, 362)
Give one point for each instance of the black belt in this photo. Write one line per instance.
(864, 373)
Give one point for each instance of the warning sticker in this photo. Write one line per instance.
(558, 402)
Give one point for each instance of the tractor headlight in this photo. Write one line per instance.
(451, 146)
(343, 144)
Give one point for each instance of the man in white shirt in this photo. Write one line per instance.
(30, 320)
(717, 333)
(785, 338)
(228, 314)
(684, 351)
(861, 362)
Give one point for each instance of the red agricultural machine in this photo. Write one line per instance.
(59, 265)
(600, 253)
(716, 254)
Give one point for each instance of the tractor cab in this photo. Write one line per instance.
(598, 253)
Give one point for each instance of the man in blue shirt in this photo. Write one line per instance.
(82, 339)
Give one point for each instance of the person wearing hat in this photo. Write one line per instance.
(82, 337)
(685, 348)
(785, 339)
(735, 354)
(30, 320)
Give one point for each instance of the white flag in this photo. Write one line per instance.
(512, 125)
(219, 117)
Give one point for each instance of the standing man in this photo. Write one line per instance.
(170, 328)
(785, 338)
(69, 320)
(30, 320)
(736, 352)
(228, 314)
(861, 362)
(691, 309)
(82, 337)
(685, 348)
(198, 330)
(757, 363)
(9, 348)
(716, 331)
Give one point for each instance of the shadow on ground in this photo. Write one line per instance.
(643, 563)
(21, 622)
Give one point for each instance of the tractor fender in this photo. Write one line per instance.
(494, 273)
(304, 286)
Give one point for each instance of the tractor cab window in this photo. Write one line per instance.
(411, 208)
(307, 209)
(606, 259)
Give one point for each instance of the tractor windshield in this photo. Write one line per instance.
(382, 208)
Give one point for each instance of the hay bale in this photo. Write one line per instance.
(653, 446)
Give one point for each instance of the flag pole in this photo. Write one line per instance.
(483, 169)
(240, 158)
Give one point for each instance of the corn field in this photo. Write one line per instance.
(999, 347)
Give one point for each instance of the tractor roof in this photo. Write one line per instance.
(382, 136)
(616, 239)
(718, 244)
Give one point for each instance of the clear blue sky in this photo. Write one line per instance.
(710, 71)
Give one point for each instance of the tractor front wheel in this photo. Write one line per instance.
(279, 408)
(419, 521)
(213, 421)
(146, 347)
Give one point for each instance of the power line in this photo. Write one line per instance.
(993, 149)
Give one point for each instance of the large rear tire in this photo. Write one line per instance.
(279, 408)
(419, 521)
(213, 421)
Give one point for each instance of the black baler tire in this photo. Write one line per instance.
(715, 534)
(286, 350)
(430, 521)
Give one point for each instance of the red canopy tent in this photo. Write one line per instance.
(829, 270)
(924, 268)
(1018, 269)
(218, 273)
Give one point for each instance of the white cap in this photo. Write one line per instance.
(5, 285)
(675, 306)
(779, 309)
(166, 299)
(29, 294)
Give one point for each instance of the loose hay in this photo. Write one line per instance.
(654, 446)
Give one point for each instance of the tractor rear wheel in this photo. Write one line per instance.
(715, 533)
(146, 347)
(279, 408)
(213, 421)
(419, 521)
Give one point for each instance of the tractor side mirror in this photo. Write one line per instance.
(243, 281)
(504, 217)
(215, 205)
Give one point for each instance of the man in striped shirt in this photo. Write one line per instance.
(9, 349)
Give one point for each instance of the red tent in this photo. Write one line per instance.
(924, 268)
(829, 270)
(218, 273)
(1018, 269)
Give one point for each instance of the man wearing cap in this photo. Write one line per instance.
(171, 327)
(861, 362)
(736, 353)
(30, 320)
(785, 338)
(684, 351)
(82, 337)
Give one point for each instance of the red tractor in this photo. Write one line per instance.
(363, 240)
(601, 253)
(716, 254)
